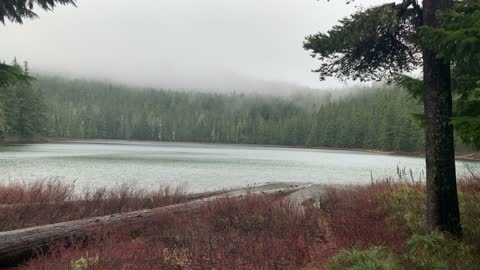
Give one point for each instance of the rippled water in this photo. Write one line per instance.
(200, 166)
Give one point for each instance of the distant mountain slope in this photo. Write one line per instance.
(374, 118)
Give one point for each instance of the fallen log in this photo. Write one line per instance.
(18, 245)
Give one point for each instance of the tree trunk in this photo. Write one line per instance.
(442, 198)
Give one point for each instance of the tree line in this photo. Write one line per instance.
(381, 117)
(441, 37)
(22, 107)
(384, 42)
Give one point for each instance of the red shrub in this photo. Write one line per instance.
(51, 201)
(256, 232)
(356, 217)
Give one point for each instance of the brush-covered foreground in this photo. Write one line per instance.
(50, 201)
(379, 226)
(382, 226)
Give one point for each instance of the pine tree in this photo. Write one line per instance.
(17, 11)
(382, 42)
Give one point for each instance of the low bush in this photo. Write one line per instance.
(255, 232)
(374, 258)
(405, 209)
(51, 201)
(423, 252)
(439, 251)
(401, 209)
(357, 217)
(377, 226)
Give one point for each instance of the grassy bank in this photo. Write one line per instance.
(378, 226)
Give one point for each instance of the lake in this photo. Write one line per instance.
(199, 166)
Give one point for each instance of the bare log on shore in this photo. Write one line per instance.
(18, 245)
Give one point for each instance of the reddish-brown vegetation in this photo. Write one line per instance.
(470, 184)
(50, 201)
(263, 232)
(250, 233)
(357, 218)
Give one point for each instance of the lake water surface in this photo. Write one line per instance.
(200, 166)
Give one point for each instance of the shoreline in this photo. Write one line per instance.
(459, 155)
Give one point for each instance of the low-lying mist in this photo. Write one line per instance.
(376, 117)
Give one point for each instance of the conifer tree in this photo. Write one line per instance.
(16, 11)
(383, 42)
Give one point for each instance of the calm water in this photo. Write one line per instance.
(200, 166)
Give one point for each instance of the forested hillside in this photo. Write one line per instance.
(22, 108)
(378, 118)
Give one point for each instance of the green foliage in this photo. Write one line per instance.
(458, 38)
(406, 209)
(385, 41)
(372, 259)
(469, 126)
(467, 116)
(22, 108)
(17, 10)
(370, 118)
(470, 211)
(413, 86)
(377, 118)
(371, 44)
(423, 252)
(85, 263)
(466, 92)
(439, 251)
(11, 74)
(458, 41)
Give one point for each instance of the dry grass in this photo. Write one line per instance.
(357, 217)
(51, 201)
(267, 232)
(256, 232)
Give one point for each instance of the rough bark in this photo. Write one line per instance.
(18, 245)
(442, 198)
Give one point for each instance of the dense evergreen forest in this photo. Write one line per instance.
(22, 108)
(378, 117)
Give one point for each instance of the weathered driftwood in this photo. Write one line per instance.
(18, 245)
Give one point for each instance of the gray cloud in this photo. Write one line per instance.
(177, 43)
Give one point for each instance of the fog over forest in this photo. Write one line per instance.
(214, 44)
(239, 134)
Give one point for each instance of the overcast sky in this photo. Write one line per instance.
(177, 43)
